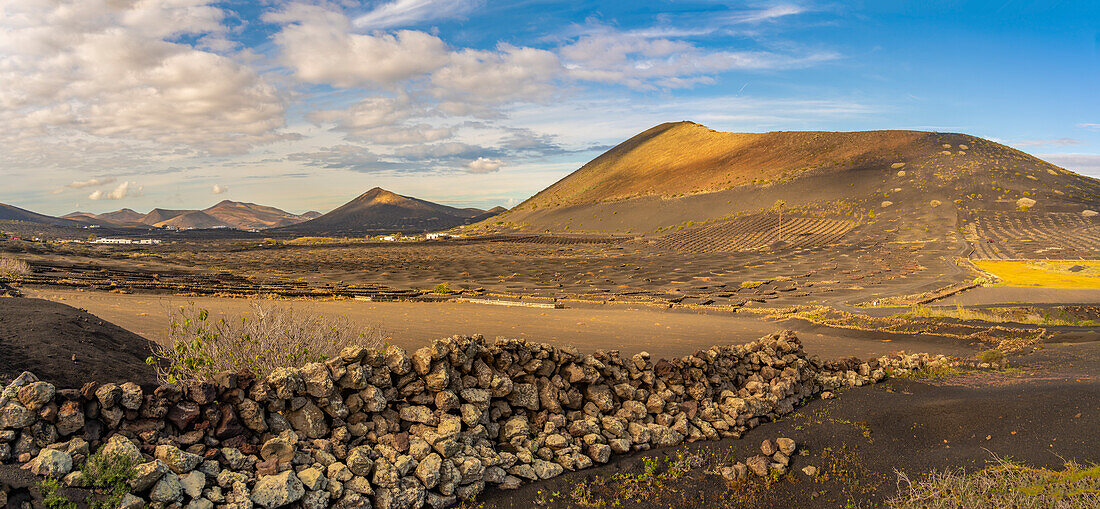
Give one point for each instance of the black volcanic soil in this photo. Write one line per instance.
(42, 337)
(1043, 415)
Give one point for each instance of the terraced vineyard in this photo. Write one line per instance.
(116, 279)
(757, 233)
(1016, 235)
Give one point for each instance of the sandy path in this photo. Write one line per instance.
(413, 324)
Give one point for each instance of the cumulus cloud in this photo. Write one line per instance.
(508, 74)
(408, 12)
(118, 71)
(218, 189)
(122, 191)
(320, 46)
(80, 184)
(484, 165)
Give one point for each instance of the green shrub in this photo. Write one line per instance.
(110, 477)
(272, 336)
(991, 356)
(52, 498)
(442, 288)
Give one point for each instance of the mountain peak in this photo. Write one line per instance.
(381, 196)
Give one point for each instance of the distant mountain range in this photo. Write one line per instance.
(226, 214)
(379, 210)
(375, 211)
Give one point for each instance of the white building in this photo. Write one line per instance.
(113, 241)
(434, 236)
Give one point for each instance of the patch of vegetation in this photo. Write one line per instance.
(109, 476)
(991, 356)
(752, 284)
(13, 267)
(50, 488)
(1003, 484)
(1019, 314)
(442, 288)
(272, 336)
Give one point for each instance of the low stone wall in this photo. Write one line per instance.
(387, 429)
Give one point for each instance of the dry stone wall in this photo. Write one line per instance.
(391, 430)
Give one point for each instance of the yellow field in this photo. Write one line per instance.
(1044, 273)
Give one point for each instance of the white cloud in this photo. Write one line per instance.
(484, 165)
(218, 189)
(80, 184)
(1089, 125)
(770, 13)
(506, 75)
(1088, 164)
(318, 44)
(1058, 142)
(409, 12)
(122, 191)
(83, 70)
(640, 61)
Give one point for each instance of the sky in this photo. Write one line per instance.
(106, 104)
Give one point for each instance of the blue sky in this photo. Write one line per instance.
(304, 105)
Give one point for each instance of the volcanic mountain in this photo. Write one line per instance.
(378, 211)
(676, 175)
(121, 216)
(250, 215)
(157, 217)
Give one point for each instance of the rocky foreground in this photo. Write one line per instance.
(385, 429)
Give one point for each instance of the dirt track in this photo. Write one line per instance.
(413, 324)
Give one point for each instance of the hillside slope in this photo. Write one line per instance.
(13, 213)
(676, 175)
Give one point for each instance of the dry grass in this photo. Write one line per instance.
(13, 267)
(1044, 273)
(272, 336)
(313, 241)
(1003, 484)
(1028, 315)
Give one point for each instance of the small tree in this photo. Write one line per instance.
(777, 207)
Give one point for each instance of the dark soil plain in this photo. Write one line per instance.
(864, 243)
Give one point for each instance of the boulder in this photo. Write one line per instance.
(308, 420)
(122, 447)
(147, 474)
(178, 461)
(51, 463)
(36, 395)
(167, 489)
(277, 490)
